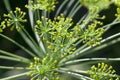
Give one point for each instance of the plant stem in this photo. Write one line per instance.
(79, 76)
(14, 68)
(15, 76)
(60, 8)
(78, 61)
(13, 41)
(7, 5)
(12, 58)
(15, 56)
(95, 48)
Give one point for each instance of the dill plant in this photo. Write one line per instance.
(56, 46)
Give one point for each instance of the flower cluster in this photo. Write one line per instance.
(47, 5)
(57, 35)
(44, 70)
(118, 13)
(95, 5)
(14, 19)
(2, 26)
(102, 72)
(92, 35)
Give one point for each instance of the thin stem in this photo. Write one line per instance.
(95, 48)
(34, 16)
(86, 72)
(13, 41)
(68, 7)
(60, 7)
(75, 11)
(15, 56)
(31, 43)
(108, 26)
(78, 61)
(77, 71)
(74, 7)
(15, 76)
(79, 76)
(14, 68)
(7, 5)
(83, 17)
(12, 59)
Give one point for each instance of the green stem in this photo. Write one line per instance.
(89, 50)
(86, 72)
(13, 41)
(12, 59)
(108, 26)
(34, 16)
(15, 56)
(83, 17)
(68, 7)
(60, 7)
(79, 76)
(75, 11)
(73, 8)
(7, 5)
(29, 40)
(14, 68)
(78, 61)
(77, 71)
(15, 76)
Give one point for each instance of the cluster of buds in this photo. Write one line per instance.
(102, 72)
(95, 5)
(47, 5)
(14, 19)
(43, 69)
(92, 35)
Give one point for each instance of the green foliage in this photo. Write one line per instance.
(56, 44)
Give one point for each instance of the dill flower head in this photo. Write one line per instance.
(103, 72)
(14, 19)
(95, 5)
(118, 13)
(2, 26)
(47, 5)
(93, 35)
(57, 34)
(45, 69)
